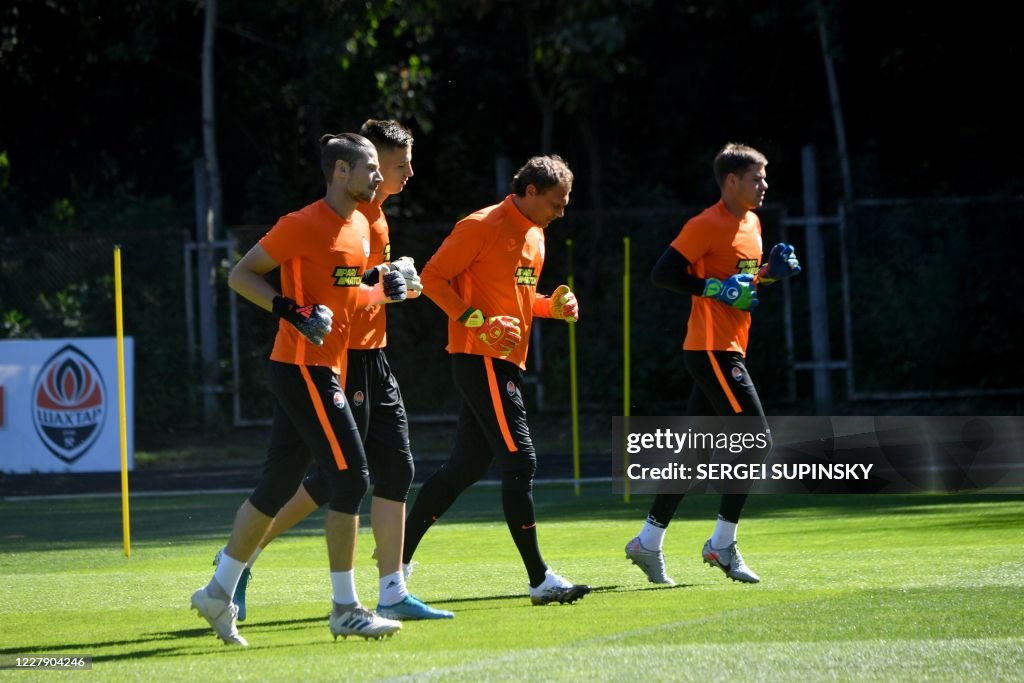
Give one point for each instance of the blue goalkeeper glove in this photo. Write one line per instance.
(737, 291)
(782, 264)
(313, 321)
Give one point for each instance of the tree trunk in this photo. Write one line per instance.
(209, 230)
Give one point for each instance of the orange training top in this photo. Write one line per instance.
(491, 261)
(718, 244)
(322, 258)
(369, 325)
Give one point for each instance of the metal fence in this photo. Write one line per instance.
(920, 305)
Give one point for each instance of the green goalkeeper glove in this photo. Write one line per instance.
(736, 291)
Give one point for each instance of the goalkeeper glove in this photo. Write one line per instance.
(388, 285)
(736, 291)
(313, 321)
(407, 267)
(782, 264)
(500, 332)
(564, 305)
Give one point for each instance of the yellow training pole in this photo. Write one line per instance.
(573, 390)
(625, 359)
(122, 406)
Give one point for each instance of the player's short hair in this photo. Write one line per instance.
(543, 173)
(347, 147)
(388, 133)
(736, 158)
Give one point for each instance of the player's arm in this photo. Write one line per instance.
(247, 278)
(672, 272)
(561, 305)
(455, 255)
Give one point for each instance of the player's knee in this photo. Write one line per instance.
(347, 491)
(465, 475)
(395, 481)
(317, 487)
(274, 490)
(518, 473)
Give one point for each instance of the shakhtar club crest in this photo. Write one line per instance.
(69, 404)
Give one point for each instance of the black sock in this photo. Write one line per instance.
(731, 506)
(434, 499)
(522, 524)
(664, 508)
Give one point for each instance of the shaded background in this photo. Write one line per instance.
(100, 129)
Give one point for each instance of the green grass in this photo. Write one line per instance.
(854, 588)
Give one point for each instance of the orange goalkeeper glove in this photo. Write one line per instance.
(564, 305)
(500, 332)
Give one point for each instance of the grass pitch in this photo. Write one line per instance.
(853, 588)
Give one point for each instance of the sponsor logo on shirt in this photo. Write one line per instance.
(525, 276)
(347, 277)
(747, 266)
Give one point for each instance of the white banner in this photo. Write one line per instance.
(59, 405)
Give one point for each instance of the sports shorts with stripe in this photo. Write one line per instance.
(492, 421)
(312, 420)
(723, 386)
(379, 413)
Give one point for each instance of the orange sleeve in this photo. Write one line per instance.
(453, 257)
(694, 240)
(542, 306)
(285, 240)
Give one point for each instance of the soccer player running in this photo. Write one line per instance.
(375, 401)
(322, 251)
(716, 260)
(484, 277)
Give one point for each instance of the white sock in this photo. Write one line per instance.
(725, 534)
(344, 586)
(551, 580)
(252, 560)
(228, 571)
(651, 536)
(392, 588)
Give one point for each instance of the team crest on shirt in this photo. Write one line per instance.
(358, 397)
(339, 399)
(366, 247)
(510, 388)
(737, 374)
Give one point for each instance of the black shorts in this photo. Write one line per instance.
(312, 420)
(722, 384)
(492, 420)
(379, 414)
